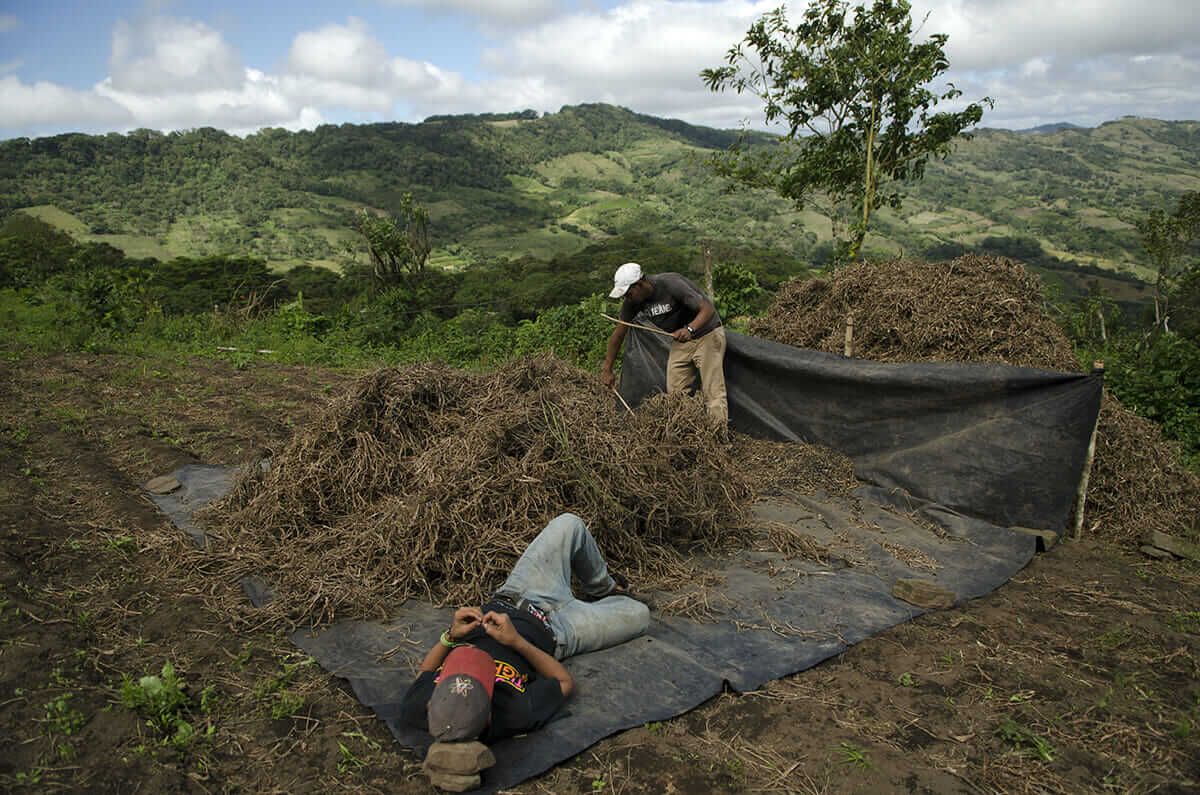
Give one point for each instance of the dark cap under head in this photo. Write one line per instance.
(462, 699)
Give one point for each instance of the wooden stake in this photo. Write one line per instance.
(848, 347)
(707, 270)
(1081, 493)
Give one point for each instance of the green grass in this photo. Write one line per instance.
(540, 243)
(59, 218)
(582, 165)
(528, 185)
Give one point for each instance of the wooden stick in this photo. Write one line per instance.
(258, 350)
(1081, 492)
(636, 325)
(707, 270)
(623, 403)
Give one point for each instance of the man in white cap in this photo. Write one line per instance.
(676, 305)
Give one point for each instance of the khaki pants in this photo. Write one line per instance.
(707, 357)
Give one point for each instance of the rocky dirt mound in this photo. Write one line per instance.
(989, 309)
(429, 482)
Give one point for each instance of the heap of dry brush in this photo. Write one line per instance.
(429, 482)
(972, 309)
(989, 309)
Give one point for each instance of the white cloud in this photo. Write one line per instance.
(258, 102)
(1092, 91)
(166, 56)
(991, 34)
(646, 54)
(504, 12)
(26, 106)
(344, 66)
(1041, 60)
(8, 22)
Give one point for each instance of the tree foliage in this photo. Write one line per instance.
(1168, 239)
(851, 87)
(399, 245)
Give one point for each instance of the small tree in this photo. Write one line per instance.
(1167, 239)
(398, 245)
(851, 89)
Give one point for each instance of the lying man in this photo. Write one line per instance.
(496, 672)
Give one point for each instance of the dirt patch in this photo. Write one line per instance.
(1079, 675)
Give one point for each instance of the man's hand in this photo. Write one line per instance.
(500, 627)
(608, 378)
(681, 335)
(465, 620)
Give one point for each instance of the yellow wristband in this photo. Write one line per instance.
(449, 644)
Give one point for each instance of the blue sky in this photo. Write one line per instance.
(94, 66)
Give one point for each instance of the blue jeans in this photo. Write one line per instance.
(543, 576)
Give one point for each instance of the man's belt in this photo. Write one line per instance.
(512, 601)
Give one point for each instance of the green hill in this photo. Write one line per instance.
(517, 185)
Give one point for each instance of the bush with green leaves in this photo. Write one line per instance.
(293, 320)
(737, 293)
(167, 707)
(474, 337)
(93, 306)
(575, 333)
(1159, 378)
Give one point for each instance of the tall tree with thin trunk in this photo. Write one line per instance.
(851, 85)
(1167, 239)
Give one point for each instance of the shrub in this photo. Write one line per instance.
(575, 333)
(1161, 381)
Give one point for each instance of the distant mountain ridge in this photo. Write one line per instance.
(1052, 128)
(523, 184)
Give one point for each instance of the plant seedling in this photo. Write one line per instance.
(854, 755)
(1021, 737)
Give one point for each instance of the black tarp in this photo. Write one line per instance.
(1005, 444)
(971, 448)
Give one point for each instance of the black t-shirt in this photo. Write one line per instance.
(673, 304)
(522, 700)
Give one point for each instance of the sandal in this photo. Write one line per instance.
(620, 586)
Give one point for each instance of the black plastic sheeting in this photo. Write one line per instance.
(1006, 444)
(970, 448)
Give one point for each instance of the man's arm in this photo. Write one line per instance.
(705, 314)
(615, 340)
(500, 627)
(465, 620)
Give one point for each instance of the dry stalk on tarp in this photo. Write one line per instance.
(989, 309)
(808, 469)
(429, 482)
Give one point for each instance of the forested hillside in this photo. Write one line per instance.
(502, 186)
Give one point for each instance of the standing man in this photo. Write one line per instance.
(496, 672)
(677, 306)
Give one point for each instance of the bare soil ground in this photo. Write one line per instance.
(1082, 674)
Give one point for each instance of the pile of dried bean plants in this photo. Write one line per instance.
(429, 482)
(988, 309)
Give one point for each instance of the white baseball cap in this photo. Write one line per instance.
(627, 274)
